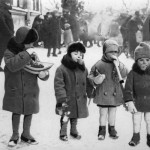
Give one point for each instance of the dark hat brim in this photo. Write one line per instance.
(31, 37)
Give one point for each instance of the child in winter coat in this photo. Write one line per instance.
(108, 94)
(71, 88)
(137, 92)
(21, 87)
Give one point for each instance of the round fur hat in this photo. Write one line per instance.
(109, 43)
(26, 35)
(142, 51)
(76, 46)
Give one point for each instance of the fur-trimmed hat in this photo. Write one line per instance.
(142, 51)
(26, 35)
(109, 43)
(75, 46)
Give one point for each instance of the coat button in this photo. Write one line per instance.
(114, 94)
(105, 93)
(144, 97)
(83, 83)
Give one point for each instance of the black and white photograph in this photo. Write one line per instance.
(74, 74)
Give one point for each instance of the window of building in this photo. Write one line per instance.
(27, 4)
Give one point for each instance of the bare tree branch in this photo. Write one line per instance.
(124, 4)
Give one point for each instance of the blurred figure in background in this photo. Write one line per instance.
(37, 24)
(134, 24)
(47, 32)
(56, 32)
(6, 26)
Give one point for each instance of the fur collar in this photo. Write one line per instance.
(137, 69)
(69, 63)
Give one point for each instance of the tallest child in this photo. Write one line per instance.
(21, 87)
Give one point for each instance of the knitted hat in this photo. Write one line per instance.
(76, 46)
(26, 35)
(109, 43)
(142, 51)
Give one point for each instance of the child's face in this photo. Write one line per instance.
(143, 63)
(28, 45)
(77, 56)
(112, 51)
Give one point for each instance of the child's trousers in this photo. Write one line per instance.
(73, 124)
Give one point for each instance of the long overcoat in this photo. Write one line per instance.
(56, 32)
(109, 92)
(6, 28)
(132, 26)
(71, 83)
(21, 87)
(137, 88)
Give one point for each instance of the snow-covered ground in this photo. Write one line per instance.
(46, 124)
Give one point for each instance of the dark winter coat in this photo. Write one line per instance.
(71, 83)
(37, 24)
(137, 88)
(21, 87)
(56, 32)
(74, 27)
(108, 93)
(146, 29)
(132, 29)
(6, 27)
(47, 33)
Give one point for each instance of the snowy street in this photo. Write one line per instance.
(46, 124)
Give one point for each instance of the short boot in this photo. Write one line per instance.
(112, 132)
(101, 132)
(148, 140)
(73, 131)
(26, 137)
(135, 139)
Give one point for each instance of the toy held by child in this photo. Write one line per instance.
(137, 92)
(108, 94)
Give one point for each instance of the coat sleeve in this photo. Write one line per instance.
(16, 62)
(4, 29)
(59, 86)
(89, 87)
(128, 91)
(92, 73)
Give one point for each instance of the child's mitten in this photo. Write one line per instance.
(99, 78)
(44, 75)
(131, 107)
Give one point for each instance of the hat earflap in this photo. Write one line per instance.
(31, 37)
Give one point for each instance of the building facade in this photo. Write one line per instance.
(24, 12)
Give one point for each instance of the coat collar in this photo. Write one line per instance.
(137, 69)
(69, 63)
(14, 47)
